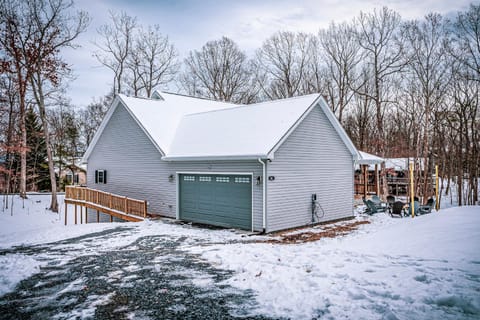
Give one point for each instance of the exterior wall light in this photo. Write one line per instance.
(171, 178)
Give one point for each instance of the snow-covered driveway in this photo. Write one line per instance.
(151, 277)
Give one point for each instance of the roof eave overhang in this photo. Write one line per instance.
(368, 162)
(216, 157)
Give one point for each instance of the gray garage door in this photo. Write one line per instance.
(222, 200)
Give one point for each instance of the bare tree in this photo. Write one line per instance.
(219, 70)
(381, 53)
(359, 123)
(467, 40)
(8, 125)
(377, 36)
(117, 45)
(316, 78)
(15, 35)
(463, 118)
(429, 67)
(91, 117)
(281, 64)
(39, 29)
(341, 53)
(153, 60)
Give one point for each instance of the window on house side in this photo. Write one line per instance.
(101, 176)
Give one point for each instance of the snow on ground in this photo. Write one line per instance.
(30, 222)
(422, 268)
(17, 267)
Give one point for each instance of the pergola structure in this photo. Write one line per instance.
(367, 159)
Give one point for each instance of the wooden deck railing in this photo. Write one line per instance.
(97, 199)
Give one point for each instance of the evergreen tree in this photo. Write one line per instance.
(37, 165)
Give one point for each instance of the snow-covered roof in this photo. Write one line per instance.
(401, 164)
(397, 164)
(184, 128)
(368, 158)
(245, 131)
(160, 118)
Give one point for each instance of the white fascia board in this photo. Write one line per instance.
(98, 133)
(215, 158)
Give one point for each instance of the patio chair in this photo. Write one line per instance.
(367, 210)
(373, 208)
(390, 199)
(390, 202)
(376, 199)
(427, 208)
(417, 208)
(397, 209)
(379, 203)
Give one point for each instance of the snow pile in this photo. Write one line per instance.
(427, 267)
(14, 268)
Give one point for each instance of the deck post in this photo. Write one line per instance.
(145, 208)
(377, 181)
(86, 215)
(66, 206)
(81, 214)
(111, 218)
(75, 213)
(412, 191)
(365, 181)
(98, 214)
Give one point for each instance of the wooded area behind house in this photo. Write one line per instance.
(400, 88)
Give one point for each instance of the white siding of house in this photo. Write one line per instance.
(313, 159)
(135, 169)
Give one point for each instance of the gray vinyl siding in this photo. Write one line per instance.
(313, 159)
(135, 168)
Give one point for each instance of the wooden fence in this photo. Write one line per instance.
(109, 203)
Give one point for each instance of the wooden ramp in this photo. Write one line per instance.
(114, 205)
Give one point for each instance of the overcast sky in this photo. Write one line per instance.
(191, 23)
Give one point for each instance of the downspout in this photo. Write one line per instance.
(264, 204)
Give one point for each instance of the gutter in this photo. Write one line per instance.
(264, 195)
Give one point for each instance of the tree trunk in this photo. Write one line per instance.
(23, 149)
(38, 93)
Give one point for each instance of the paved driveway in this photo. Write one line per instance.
(150, 278)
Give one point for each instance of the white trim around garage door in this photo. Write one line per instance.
(178, 173)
